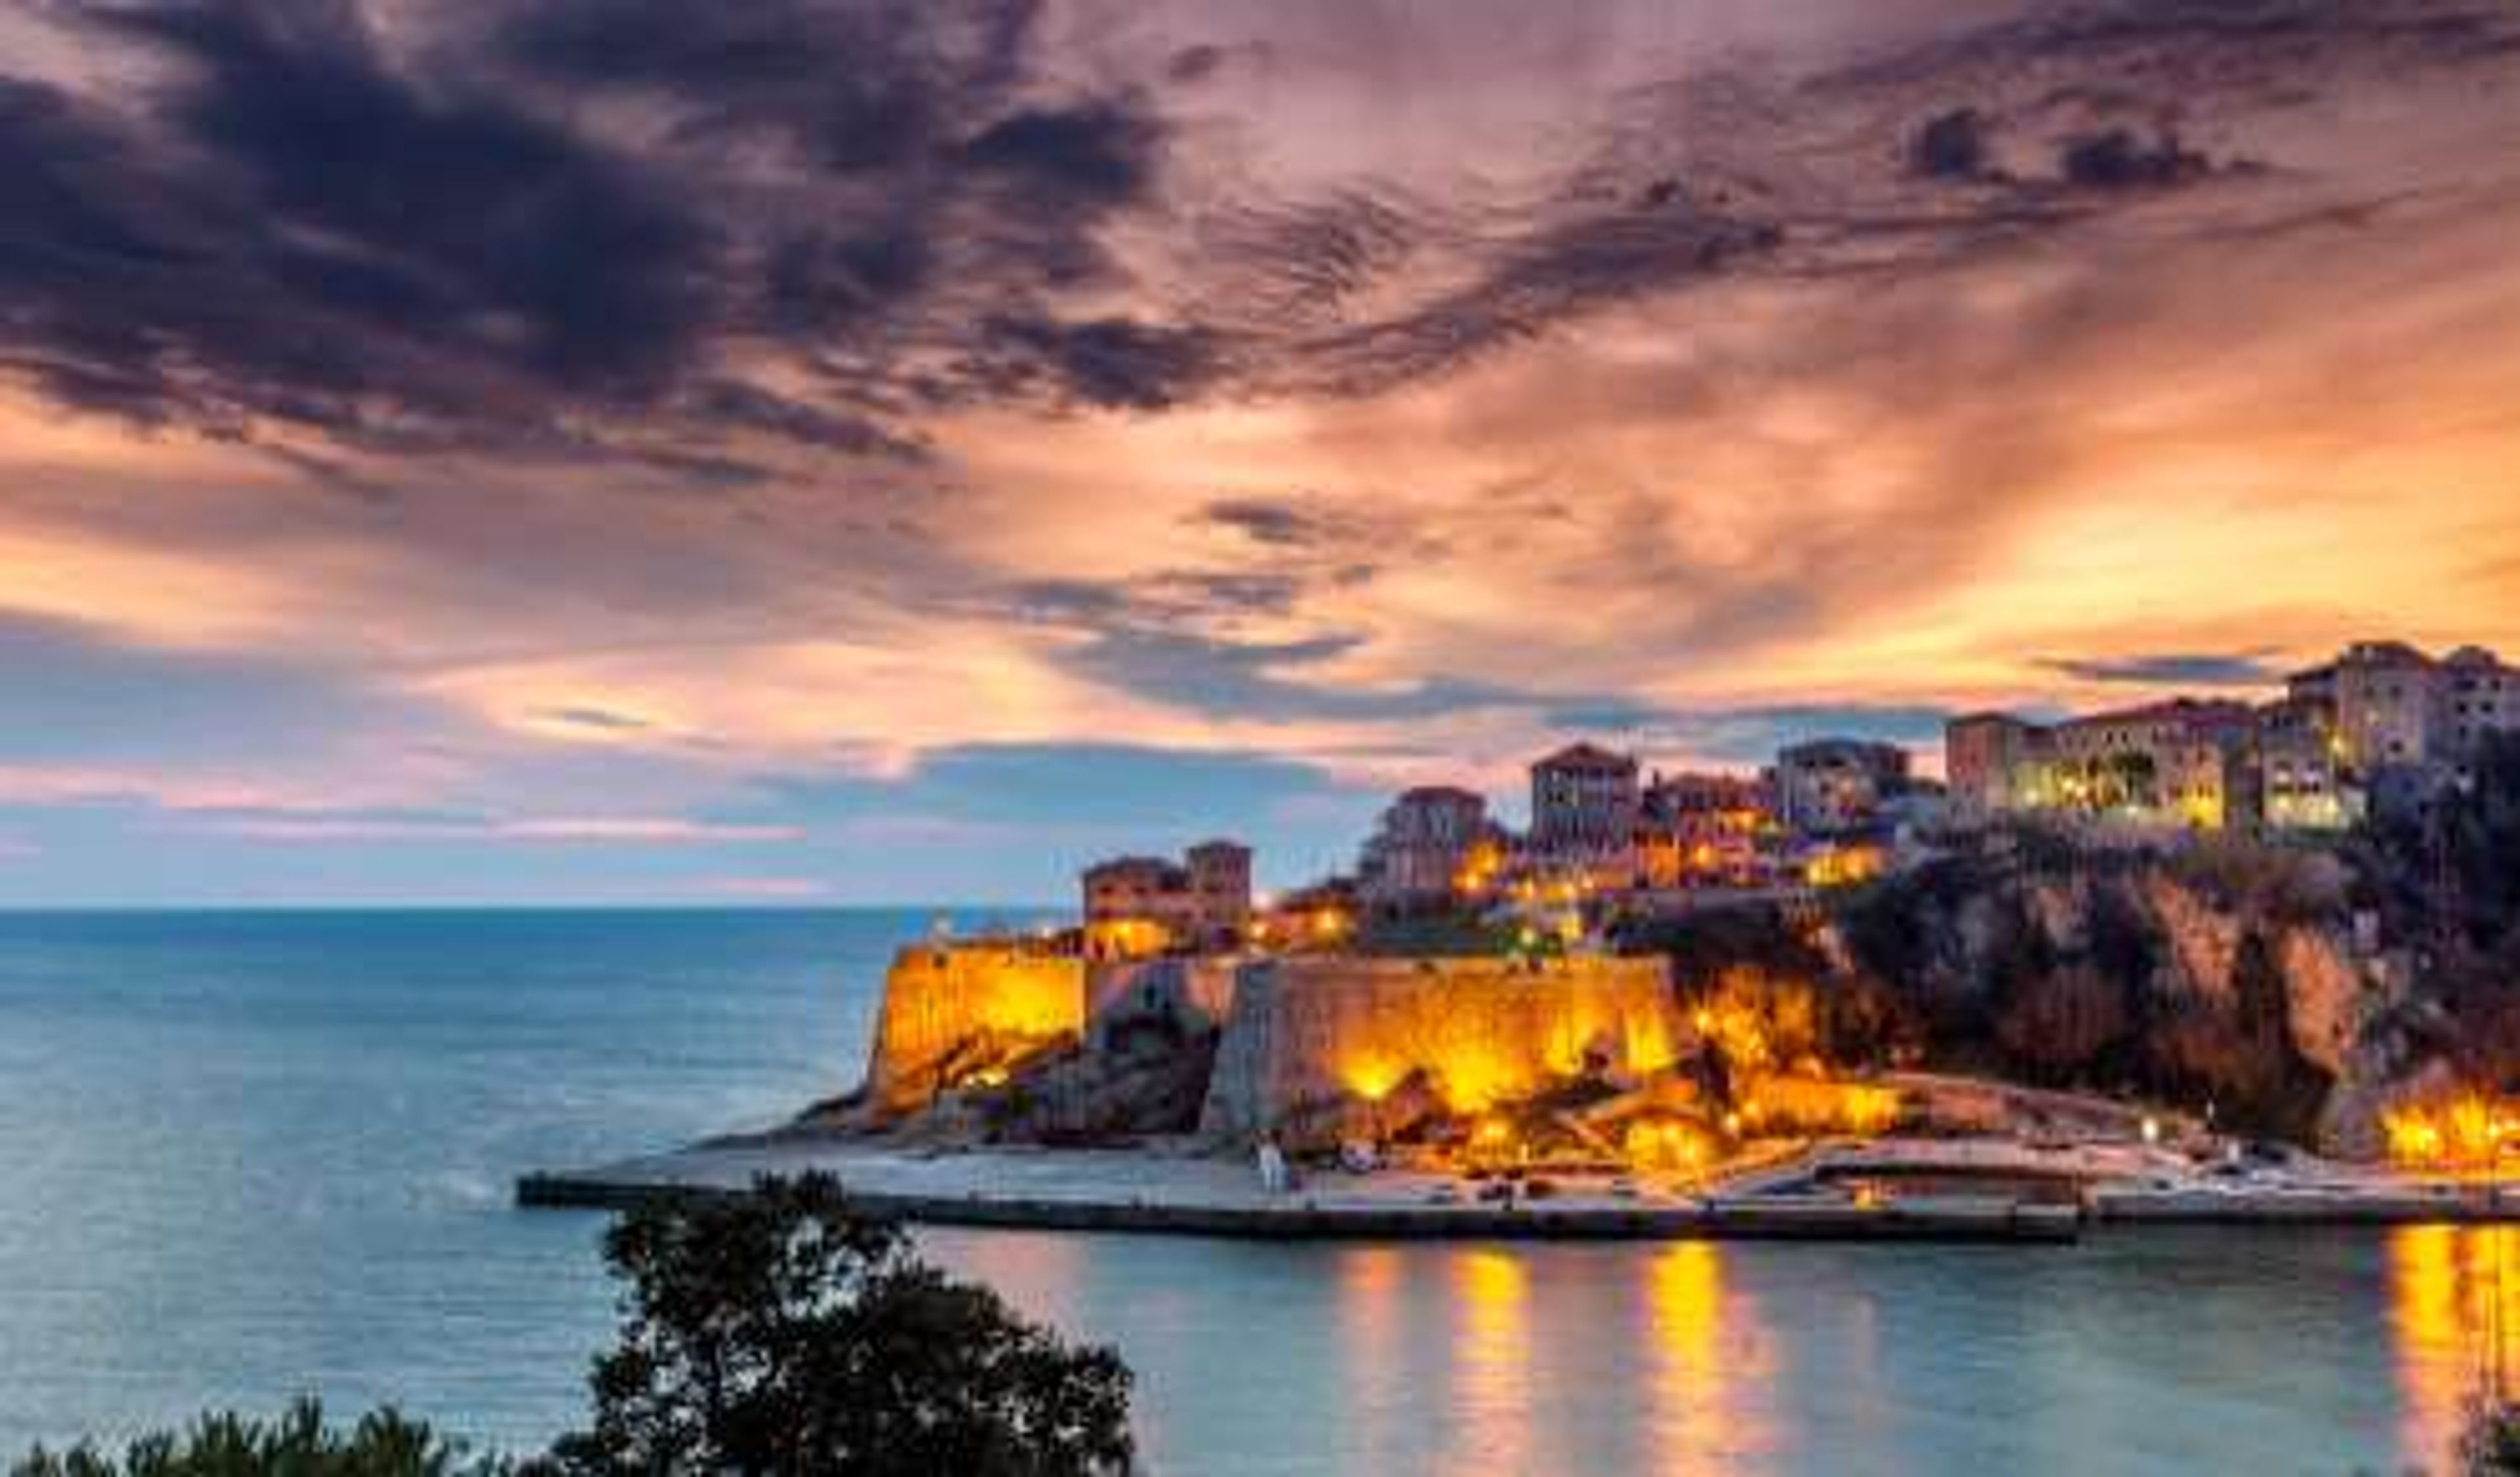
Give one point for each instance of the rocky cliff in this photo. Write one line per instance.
(2225, 976)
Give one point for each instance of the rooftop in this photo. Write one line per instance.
(1587, 755)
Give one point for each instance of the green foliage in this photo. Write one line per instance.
(781, 1333)
(1451, 932)
(773, 1335)
(383, 1443)
(1706, 944)
(2242, 874)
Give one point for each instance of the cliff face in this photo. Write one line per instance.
(1313, 1031)
(2226, 977)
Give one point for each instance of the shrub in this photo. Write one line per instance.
(299, 1444)
(779, 1332)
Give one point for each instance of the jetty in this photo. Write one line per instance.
(1180, 1194)
(1878, 1190)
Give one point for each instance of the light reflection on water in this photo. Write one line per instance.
(2453, 1308)
(2166, 1350)
(1709, 1352)
(1491, 1430)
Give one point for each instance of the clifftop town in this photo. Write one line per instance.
(2297, 920)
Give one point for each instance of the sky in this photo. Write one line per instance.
(631, 451)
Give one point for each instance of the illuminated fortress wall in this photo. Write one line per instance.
(1312, 1029)
(1194, 993)
(941, 1000)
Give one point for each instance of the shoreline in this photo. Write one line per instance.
(1168, 1191)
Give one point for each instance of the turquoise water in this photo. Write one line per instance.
(248, 1155)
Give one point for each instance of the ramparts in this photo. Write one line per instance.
(1307, 1030)
(950, 1008)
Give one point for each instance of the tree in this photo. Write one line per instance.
(781, 1334)
(383, 1443)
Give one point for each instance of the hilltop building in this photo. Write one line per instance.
(2379, 729)
(1701, 830)
(2183, 763)
(1583, 808)
(1433, 842)
(1140, 905)
(1834, 785)
(2402, 724)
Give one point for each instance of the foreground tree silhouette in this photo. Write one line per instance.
(383, 1443)
(781, 1333)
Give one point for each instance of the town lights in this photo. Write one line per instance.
(2469, 1132)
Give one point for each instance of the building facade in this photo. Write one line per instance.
(1701, 830)
(1427, 847)
(2379, 729)
(1584, 801)
(2183, 762)
(1834, 785)
(1140, 905)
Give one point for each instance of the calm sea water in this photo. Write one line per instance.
(248, 1155)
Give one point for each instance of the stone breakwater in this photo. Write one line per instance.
(1135, 1191)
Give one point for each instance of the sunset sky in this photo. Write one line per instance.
(635, 450)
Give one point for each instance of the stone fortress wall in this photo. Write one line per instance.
(1296, 1031)
(1306, 1031)
(941, 999)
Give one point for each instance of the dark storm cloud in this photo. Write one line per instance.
(297, 232)
(429, 245)
(1951, 146)
(2121, 159)
(2050, 122)
(2251, 669)
(1111, 362)
(734, 403)
(600, 718)
(551, 223)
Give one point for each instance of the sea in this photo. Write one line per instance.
(245, 1156)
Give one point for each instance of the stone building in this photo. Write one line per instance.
(1140, 905)
(1427, 847)
(1584, 801)
(2482, 696)
(1983, 754)
(1701, 830)
(2389, 707)
(2380, 728)
(2402, 725)
(1834, 785)
(2181, 762)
